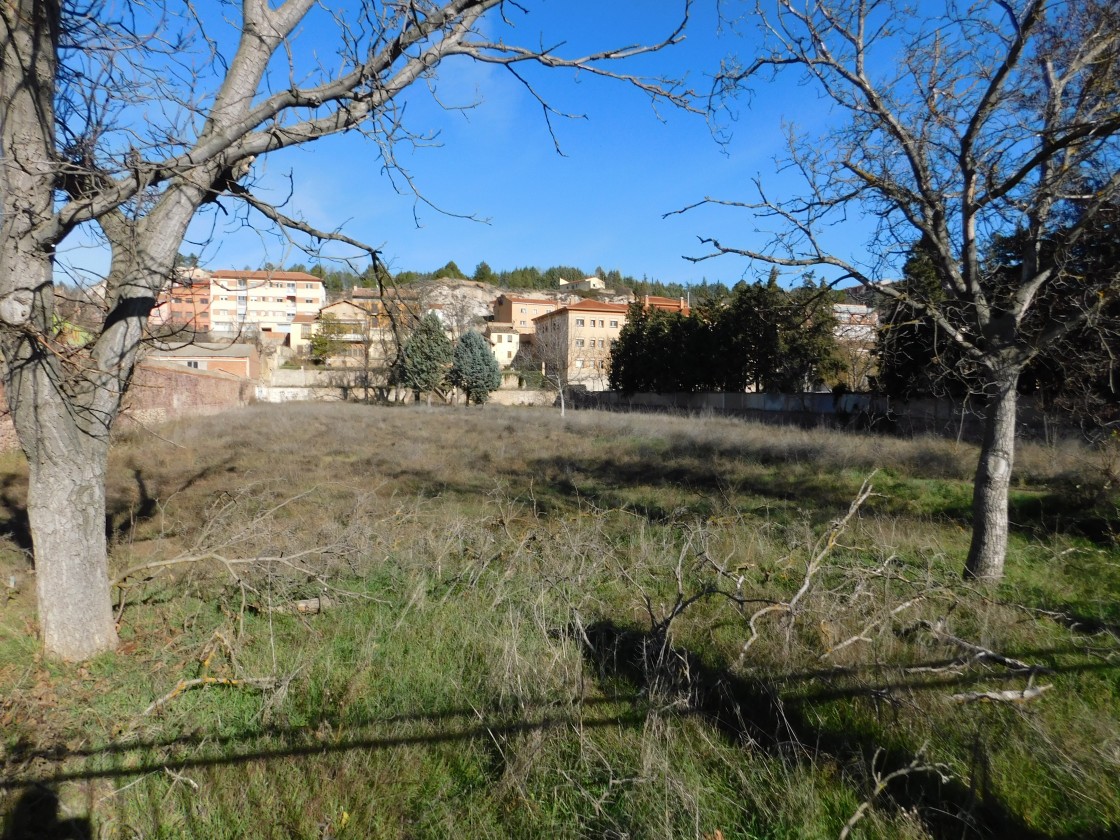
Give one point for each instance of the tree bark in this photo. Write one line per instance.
(993, 479)
(66, 511)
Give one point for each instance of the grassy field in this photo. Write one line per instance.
(617, 626)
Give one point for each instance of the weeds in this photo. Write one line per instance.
(609, 626)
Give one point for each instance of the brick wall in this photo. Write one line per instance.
(161, 393)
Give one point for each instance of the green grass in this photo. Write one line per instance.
(503, 658)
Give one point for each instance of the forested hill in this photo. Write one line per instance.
(526, 278)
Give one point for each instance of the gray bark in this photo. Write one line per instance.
(993, 480)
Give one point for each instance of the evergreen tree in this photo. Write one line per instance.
(474, 368)
(425, 359)
(327, 340)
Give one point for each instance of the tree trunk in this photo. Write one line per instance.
(993, 478)
(66, 510)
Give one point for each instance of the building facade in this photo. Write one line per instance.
(185, 304)
(574, 342)
(262, 301)
(520, 311)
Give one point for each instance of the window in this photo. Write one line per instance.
(579, 322)
(521, 323)
(509, 354)
(602, 342)
(204, 300)
(614, 323)
(192, 364)
(579, 342)
(523, 312)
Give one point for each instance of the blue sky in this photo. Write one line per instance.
(600, 203)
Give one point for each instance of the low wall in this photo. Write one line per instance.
(164, 392)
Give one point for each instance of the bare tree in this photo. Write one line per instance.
(106, 121)
(984, 123)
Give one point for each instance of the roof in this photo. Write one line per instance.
(500, 327)
(596, 306)
(205, 350)
(667, 303)
(304, 318)
(537, 300)
(233, 274)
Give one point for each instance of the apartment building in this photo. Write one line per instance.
(185, 304)
(262, 301)
(575, 341)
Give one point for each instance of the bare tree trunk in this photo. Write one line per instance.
(66, 510)
(993, 479)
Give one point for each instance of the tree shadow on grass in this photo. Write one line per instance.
(762, 715)
(611, 483)
(35, 817)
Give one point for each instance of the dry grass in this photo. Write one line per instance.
(543, 627)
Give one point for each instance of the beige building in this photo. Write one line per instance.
(262, 301)
(588, 284)
(575, 341)
(520, 311)
(505, 342)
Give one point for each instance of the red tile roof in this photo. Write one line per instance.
(233, 274)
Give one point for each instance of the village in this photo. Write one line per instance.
(263, 326)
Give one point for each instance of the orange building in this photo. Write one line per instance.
(185, 304)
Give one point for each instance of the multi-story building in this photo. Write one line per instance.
(505, 342)
(520, 311)
(574, 342)
(185, 304)
(262, 301)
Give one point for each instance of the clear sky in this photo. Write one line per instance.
(624, 164)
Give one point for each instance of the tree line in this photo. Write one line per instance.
(759, 336)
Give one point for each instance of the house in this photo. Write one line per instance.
(262, 301)
(184, 305)
(588, 284)
(362, 324)
(240, 360)
(856, 322)
(505, 342)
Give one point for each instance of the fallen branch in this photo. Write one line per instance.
(821, 550)
(1010, 696)
(259, 683)
(981, 653)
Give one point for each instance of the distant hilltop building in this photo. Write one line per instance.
(588, 284)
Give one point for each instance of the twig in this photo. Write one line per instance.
(861, 636)
(980, 653)
(821, 550)
(917, 765)
(1010, 696)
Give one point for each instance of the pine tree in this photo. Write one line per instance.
(474, 368)
(426, 357)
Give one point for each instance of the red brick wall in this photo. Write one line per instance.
(163, 393)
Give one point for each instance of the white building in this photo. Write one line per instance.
(262, 301)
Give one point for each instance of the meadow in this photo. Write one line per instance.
(348, 621)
